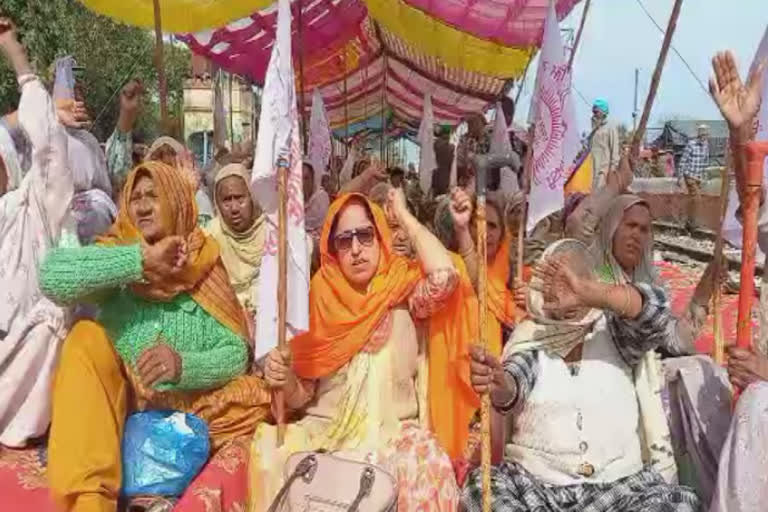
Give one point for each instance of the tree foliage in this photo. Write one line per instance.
(110, 53)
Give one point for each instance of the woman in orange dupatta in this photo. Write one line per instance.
(356, 375)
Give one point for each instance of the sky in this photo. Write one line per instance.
(619, 37)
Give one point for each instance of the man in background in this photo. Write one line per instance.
(605, 144)
(693, 168)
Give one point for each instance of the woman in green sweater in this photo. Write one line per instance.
(171, 335)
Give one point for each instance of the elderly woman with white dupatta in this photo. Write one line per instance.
(239, 227)
(576, 400)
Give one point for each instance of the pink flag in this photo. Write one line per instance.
(319, 138)
(427, 159)
(278, 144)
(556, 139)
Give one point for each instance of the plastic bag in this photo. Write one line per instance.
(162, 452)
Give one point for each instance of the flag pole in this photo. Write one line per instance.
(346, 107)
(718, 350)
(526, 188)
(283, 167)
(578, 34)
(160, 65)
(482, 296)
(383, 111)
(637, 139)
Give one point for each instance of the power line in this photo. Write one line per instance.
(690, 69)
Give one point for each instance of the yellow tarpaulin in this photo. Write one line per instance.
(456, 48)
(177, 15)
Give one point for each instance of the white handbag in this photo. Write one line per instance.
(321, 482)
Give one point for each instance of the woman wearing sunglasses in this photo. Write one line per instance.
(359, 377)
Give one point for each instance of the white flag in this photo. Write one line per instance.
(319, 138)
(427, 159)
(556, 140)
(731, 227)
(278, 142)
(500, 145)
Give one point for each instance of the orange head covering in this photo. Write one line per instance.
(342, 321)
(203, 275)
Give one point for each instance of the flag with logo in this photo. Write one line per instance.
(556, 136)
(278, 145)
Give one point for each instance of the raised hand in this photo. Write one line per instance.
(396, 207)
(376, 171)
(159, 364)
(738, 102)
(461, 209)
(12, 48)
(562, 288)
(164, 258)
(72, 114)
(8, 36)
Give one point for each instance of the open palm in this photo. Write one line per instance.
(738, 102)
(561, 287)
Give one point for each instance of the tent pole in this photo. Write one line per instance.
(300, 31)
(160, 66)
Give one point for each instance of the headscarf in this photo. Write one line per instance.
(159, 142)
(608, 268)
(342, 321)
(94, 212)
(240, 252)
(602, 106)
(87, 161)
(10, 158)
(539, 331)
(203, 276)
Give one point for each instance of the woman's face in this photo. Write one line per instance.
(632, 237)
(165, 154)
(234, 202)
(401, 244)
(493, 231)
(144, 210)
(356, 244)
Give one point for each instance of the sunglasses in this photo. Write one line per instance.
(343, 241)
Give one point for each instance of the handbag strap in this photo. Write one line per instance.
(304, 469)
(366, 485)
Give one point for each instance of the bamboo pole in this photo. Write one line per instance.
(300, 32)
(637, 139)
(482, 295)
(718, 349)
(578, 34)
(283, 168)
(346, 108)
(750, 203)
(160, 65)
(383, 112)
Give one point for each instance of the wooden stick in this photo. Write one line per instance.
(578, 34)
(282, 284)
(482, 295)
(718, 350)
(160, 65)
(637, 139)
(346, 107)
(526, 188)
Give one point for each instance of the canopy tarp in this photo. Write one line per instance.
(363, 54)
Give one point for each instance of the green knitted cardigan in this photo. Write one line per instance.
(211, 354)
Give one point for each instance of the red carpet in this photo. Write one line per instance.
(222, 486)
